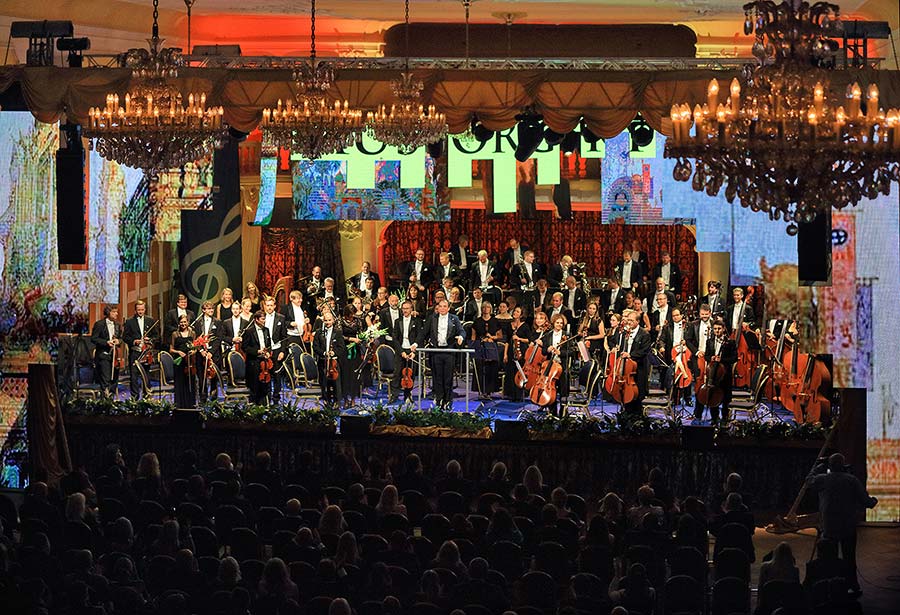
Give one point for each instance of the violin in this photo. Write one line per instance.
(746, 359)
(775, 355)
(266, 364)
(709, 391)
(332, 372)
(806, 388)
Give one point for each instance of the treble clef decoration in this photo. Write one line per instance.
(204, 277)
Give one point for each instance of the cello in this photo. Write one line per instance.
(709, 389)
(806, 386)
(620, 374)
(682, 377)
(543, 392)
(746, 361)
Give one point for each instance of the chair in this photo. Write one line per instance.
(588, 376)
(448, 577)
(384, 361)
(266, 517)
(423, 548)
(417, 506)
(393, 522)
(149, 511)
(252, 571)
(308, 387)
(683, 594)
(84, 382)
(334, 494)
(258, 495)
(732, 563)
(297, 492)
(506, 557)
(552, 558)
(425, 608)
(227, 518)
(373, 496)
(356, 522)
(689, 561)
(577, 505)
(302, 573)
(527, 528)
(205, 541)
(476, 609)
(110, 510)
(310, 517)
(730, 595)
(373, 547)
(370, 607)
(146, 385)
(166, 370)
(777, 594)
(651, 560)
(402, 583)
(735, 535)
(209, 568)
(236, 386)
(597, 560)
(480, 524)
(76, 535)
(486, 503)
(245, 544)
(318, 605)
(436, 528)
(451, 503)
(539, 589)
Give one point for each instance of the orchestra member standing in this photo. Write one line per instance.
(483, 273)
(257, 345)
(661, 317)
(447, 269)
(613, 298)
(233, 327)
(181, 346)
(140, 334)
(297, 322)
(418, 272)
(328, 343)
(251, 292)
(574, 297)
(640, 257)
(443, 331)
(174, 315)
(513, 256)
(733, 313)
(486, 331)
(210, 327)
(352, 326)
(713, 298)
(636, 346)
(721, 348)
(558, 272)
(358, 281)
(519, 338)
(628, 271)
(593, 330)
(277, 326)
(406, 331)
(669, 272)
(460, 254)
(554, 343)
(106, 336)
(223, 308)
(696, 337)
(671, 336)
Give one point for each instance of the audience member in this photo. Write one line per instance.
(389, 503)
(645, 498)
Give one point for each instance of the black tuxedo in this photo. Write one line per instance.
(549, 310)
(715, 302)
(580, 300)
(537, 302)
(675, 277)
(279, 351)
(651, 299)
(608, 304)
(228, 332)
(354, 280)
(667, 335)
(414, 331)
(442, 362)
(692, 340)
(475, 275)
(331, 389)
(131, 335)
(518, 275)
(565, 352)
(170, 322)
(728, 357)
(472, 310)
(440, 273)
(644, 262)
(749, 318)
(104, 375)
(250, 345)
(556, 277)
(287, 311)
(456, 256)
(508, 260)
(424, 279)
(216, 332)
(640, 353)
(384, 317)
(655, 321)
(637, 274)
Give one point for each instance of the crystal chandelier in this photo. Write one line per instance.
(151, 128)
(410, 124)
(781, 142)
(312, 127)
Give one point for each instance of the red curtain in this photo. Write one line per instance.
(585, 238)
(295, 251)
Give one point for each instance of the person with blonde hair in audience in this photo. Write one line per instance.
(389, 502)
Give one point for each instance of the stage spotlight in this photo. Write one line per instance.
(551, 137)
(436, 149)
(586, 134)
(641, 133)
(529, 134)
(481, 134)
(570, 143)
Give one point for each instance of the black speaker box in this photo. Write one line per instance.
(70, 231)
(697, 437)
(510, 430)
(353, 425)
(814, 250)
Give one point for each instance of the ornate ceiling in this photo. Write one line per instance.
(355, 27)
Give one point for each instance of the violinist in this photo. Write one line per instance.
(181, 346)
(278, 328)
(232, 327)
(593, 331)
(328, 343)
(257, 345)
(635, 345)
(671, 337)
(211, 328)
(405, 333)
(519, 335)
(443, 330)
(297, 323)
(106, 337)
(140, 334)
(486, 330)
(720, 347)
(556, 349)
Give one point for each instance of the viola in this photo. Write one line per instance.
(746, 358)
(332, 372)
(806, 388)
(146, 357)
(620, 382)
(266, 364)
(710, 392)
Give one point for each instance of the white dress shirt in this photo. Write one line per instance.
(483, 269)
(111, 329)
(462, 257)
(328, 332)
(261, 337)
(719, 342)
(236, 325)
(207, 322)
(677, 333)
(664, 272)
(626, 273)
(404, 325)
(630, 340)
(362, 280)
(140, 324)
(703, 336)
(736, 315)
(443, 325)
(299, 318)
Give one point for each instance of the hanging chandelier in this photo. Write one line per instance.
(780, 141)
(409, 124)
(312, 127)
(151, 128)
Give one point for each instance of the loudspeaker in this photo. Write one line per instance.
(515, 431)
(70, 230)
(814, 250)
(697, 437)
(354, 425)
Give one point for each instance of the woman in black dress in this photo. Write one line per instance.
(180, 346)
(223, 308)
(418, 302)
(594, 332)
(251, 292)
(351, 326)
(519, 336)
(555, 347)
(486, 331)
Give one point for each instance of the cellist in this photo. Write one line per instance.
(636, 345)
(696, 336)
(720, 347)
(671, 336)
(556, 349)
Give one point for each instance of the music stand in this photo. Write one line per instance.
(422, 351)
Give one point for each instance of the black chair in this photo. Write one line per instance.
(159, 573)
(266, 517)
(425, 608)
(110, 510)
(417, 506)
(486, 503)
(356, 522)
(577, 505)
(424, 549)
(193, 514)
(689, 561)
(252, 571)
(334, 494)
(205, 541)
(539, 589)
(370, 607)
(477, 609)
(506, 557)
(258, 495)
(302, 573)
(732, 563)
(227, 518)
(245, 544)
(331, 543)
(448, 577)
(310, 517)
(683, 594)
(529, 531)
(598, 561)
(480, 524)
(318, 605)
(392, 522)
(149, 511)
(373, 496)
(730, 595)
(297, 492)
(652, 561)
(373, 547)
(281, 541)
(450, 503)
(552, 558)
(777, 594)
(209, 568)
(436, 528)
(402, 583)
(76, 535)
(735, 536)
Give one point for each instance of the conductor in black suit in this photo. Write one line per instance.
(106, 336)
(257, 345)
(138, 328)
(328, 342)
(172, 316)
(442, 331)
(636, 346)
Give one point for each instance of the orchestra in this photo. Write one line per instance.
(504, 316)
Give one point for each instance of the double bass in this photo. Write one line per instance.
(806, 387)
(621, 383)
(775, 354)
(746, 359)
